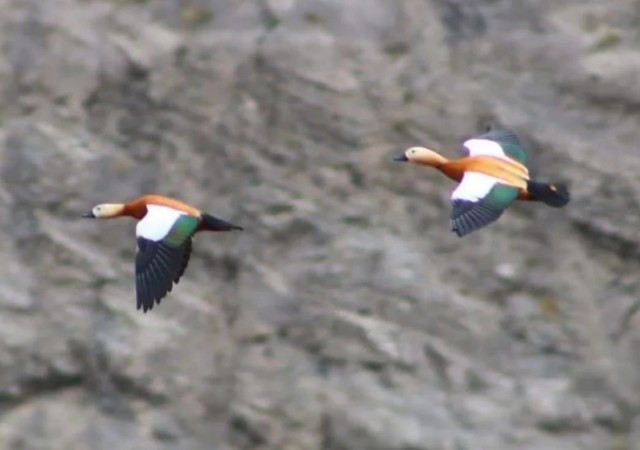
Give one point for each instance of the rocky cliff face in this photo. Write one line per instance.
(346, 316)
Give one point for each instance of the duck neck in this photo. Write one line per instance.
(135, 209)
(433, 159)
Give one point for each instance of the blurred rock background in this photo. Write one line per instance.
(346, 316)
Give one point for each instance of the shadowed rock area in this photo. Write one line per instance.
(346, 316)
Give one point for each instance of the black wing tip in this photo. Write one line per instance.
(148, 303)
(460, 232)
(143, 305)
(157, 267)
(149, 299)
(468, 216)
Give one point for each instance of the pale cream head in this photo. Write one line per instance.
(106, 211)
(424, 156)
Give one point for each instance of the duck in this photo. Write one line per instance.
(491, 177)
(164, 235)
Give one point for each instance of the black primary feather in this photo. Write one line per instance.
(468, 216)
(157, 266)
(185, 260)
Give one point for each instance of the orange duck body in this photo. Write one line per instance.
(490, 179)
(164, 233)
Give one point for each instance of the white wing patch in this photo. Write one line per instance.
(485, 147)
(157, 222)
(474, 186)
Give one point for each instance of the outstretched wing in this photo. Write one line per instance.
(161, 260)
(157, 266)
(478, 201)
(498, 143)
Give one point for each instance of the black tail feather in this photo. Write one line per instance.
(211, 223)
(552, 194)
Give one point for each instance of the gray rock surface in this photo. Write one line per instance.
(346, 316)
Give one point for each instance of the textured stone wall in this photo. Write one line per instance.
(346, 316)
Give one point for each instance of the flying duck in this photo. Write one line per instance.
(164, 232)
(491, 177)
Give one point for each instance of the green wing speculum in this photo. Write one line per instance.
(501, 196)
(181, 231)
